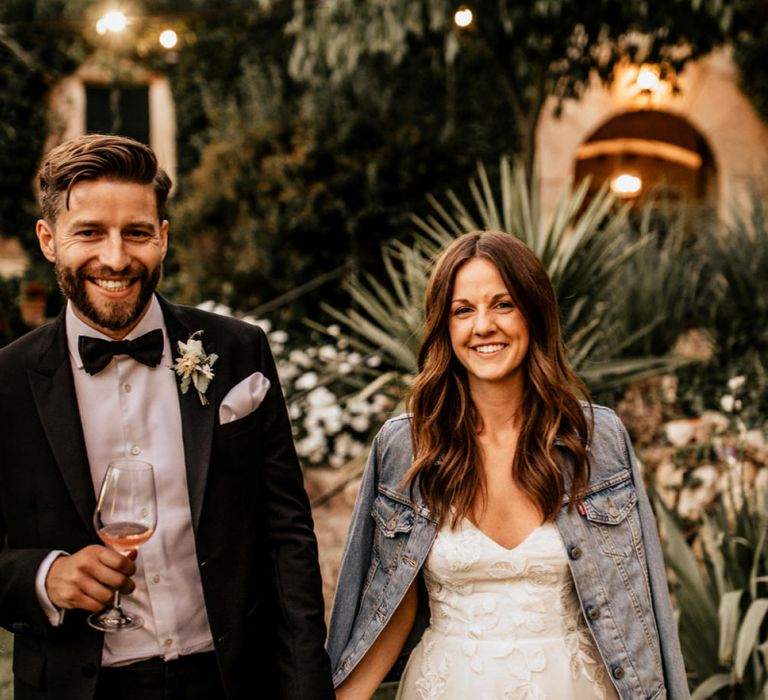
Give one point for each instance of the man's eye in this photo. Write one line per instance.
(86, 233)
(137, 233)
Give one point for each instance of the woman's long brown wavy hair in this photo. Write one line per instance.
(445, 421)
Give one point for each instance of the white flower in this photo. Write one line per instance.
(736, 383)
(307, 380)
(287, 371)
(345, 368)
(694, 498)
(333, 330)
(373, 361)
(207, 305)
(727, 403)
(299, 358)
(264, 324)
(360, 423)
(222, 310)
(194, 366)
(680, 432)
(278, 337)
(327, 353)
(322, 396)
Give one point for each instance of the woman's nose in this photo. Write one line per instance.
(484, 323)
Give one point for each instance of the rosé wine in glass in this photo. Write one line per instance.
(125, 518)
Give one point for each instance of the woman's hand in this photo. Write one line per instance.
(367, 676)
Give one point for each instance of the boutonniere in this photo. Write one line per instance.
(194, 366)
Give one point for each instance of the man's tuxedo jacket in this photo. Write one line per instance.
(253, 529)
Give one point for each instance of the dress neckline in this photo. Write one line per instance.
(529, 536)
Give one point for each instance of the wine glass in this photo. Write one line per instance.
(125, 518)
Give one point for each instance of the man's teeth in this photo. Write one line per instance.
(489, 348)
(113, 285)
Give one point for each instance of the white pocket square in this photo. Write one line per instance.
(244, 398)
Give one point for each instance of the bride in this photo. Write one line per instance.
(502, 542)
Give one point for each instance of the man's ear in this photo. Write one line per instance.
(164, 237)
(45, 238)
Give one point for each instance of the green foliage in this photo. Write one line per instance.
(735, 309)
(584, 249)
(38, 46)
(722, 597)
(525, 51)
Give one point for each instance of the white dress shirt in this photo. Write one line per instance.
(129, 410)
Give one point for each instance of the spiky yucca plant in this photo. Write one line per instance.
(721, 592)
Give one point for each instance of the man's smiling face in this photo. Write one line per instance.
(108, 246)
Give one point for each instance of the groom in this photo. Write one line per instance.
(228, 585)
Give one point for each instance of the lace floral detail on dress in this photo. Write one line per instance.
(505, 623)
(431, 684)
(584, 657)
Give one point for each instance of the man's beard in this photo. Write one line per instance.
(118, 314)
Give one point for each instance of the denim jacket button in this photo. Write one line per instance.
(574, 552)
(618, 673)
(392, 522)
(592, 612)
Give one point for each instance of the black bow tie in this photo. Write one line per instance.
(97, 353)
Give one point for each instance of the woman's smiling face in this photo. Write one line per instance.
(489, 335)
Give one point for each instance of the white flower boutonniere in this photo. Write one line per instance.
(194, 366)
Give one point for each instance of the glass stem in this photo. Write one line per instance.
(116, 603)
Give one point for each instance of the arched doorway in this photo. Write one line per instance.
(648, 153)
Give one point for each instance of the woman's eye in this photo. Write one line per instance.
(505, 305)
(461, 310)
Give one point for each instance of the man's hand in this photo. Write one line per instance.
(88, 579)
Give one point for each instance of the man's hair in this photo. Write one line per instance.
(93, 157)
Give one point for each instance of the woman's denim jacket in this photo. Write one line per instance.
(611, 543)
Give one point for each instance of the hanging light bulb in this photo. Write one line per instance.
(113, 21)
(463, 17)
(168, 39)
(648, 79)
(626, 185)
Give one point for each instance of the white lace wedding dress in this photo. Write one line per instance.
(505, 624)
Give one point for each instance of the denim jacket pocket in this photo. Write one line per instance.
(394, 522)
(612, 513)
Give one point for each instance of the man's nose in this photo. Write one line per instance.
(113, 253)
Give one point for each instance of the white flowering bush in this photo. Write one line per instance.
(337, 397)
(717, 455)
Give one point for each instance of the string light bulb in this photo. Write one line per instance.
(463, 17)
(626, 185)
(113, 21)
(168, 39)
(648, 79)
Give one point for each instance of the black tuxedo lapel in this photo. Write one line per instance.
(197, 421)
(54, 392)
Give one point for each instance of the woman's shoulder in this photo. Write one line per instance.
(393, 449)
(608, 446)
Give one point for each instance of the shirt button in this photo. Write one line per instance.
(135, 450)
(592, 612)
(618, 673)
(126, 387)
(574, 551)
(156, 578)
(168, 643)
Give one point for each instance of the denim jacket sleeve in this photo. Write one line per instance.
(354, 561)
(671, 656)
